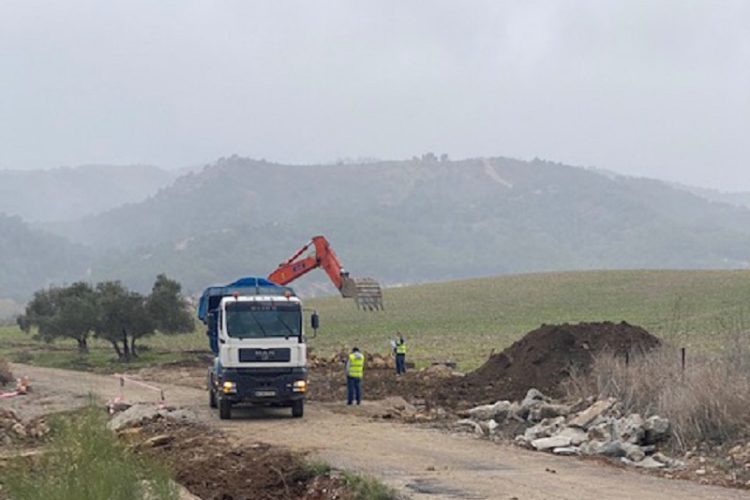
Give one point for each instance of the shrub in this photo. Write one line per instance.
(368, 488)
(708, 402)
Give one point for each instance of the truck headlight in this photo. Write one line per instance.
(229, 387)
(299, 386)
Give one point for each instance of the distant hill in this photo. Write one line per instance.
(412, 221)
(71, 193)
(739, 199)
(31, 259)
(398, 221)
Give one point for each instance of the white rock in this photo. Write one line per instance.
(492, 426)
(630, 429)
(657, 429)
(551, 442)
(649, 463)
(576, 435)
(483, 412)
(467, 423)
(545, 428)
(567, 451)
(497, 411)
(601, 431)
(135, 415)
(633, 452)
(533, 398)
(592, 447)
(587, 416)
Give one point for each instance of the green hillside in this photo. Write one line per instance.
(31, 259)
(464, 320)
(412, 221)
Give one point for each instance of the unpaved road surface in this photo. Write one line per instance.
(422, 463)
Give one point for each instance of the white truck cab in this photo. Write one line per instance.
(256, 330)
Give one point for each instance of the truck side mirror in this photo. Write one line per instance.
(315, 320)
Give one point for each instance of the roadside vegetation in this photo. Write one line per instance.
(85, 461)
(706, 399)
(367, 488)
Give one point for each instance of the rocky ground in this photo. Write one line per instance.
(14, 431)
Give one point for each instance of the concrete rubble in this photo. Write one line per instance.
(141, 413)
(13, 429)
(585, 428)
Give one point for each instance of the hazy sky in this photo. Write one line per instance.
(656, 88)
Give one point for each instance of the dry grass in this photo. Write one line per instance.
(707, 402)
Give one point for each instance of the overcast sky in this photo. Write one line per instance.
(655, 88)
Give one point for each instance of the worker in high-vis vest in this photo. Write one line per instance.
(355, 368)
(400, 355)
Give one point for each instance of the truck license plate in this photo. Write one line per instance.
(265, 394)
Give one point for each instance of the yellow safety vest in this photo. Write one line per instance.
(401, 348)
(356, 365)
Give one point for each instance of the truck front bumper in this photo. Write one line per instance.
(265, 386)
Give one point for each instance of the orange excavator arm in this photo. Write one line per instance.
(294, 266)
(366, 291)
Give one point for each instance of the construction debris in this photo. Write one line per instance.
(141, 413)
(599, 428)
(14, 430)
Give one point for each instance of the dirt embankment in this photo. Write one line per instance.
(546, 357)
(542, 359)
(204, 461)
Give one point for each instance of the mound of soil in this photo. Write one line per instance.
(543, 359)
(212, 467)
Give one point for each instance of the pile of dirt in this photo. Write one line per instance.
(209, 465)
(543, 359)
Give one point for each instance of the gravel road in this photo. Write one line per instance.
(422, 463)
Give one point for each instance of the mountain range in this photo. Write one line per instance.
(409, 221)
(68, 193)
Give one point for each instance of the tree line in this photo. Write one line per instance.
(108, 311)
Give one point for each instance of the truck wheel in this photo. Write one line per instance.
(298, 408)
(211, 398)
(225, 409)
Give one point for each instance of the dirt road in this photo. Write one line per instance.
(420, 462)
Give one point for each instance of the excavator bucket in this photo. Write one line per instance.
(365, 291)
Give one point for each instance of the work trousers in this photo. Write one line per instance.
(400, 364)
(353, 389)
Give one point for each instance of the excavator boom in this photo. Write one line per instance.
(365, 291)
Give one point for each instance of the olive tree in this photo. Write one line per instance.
(62, 312)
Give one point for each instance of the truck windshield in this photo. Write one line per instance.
(262, 319)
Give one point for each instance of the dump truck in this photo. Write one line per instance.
(255, 330)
